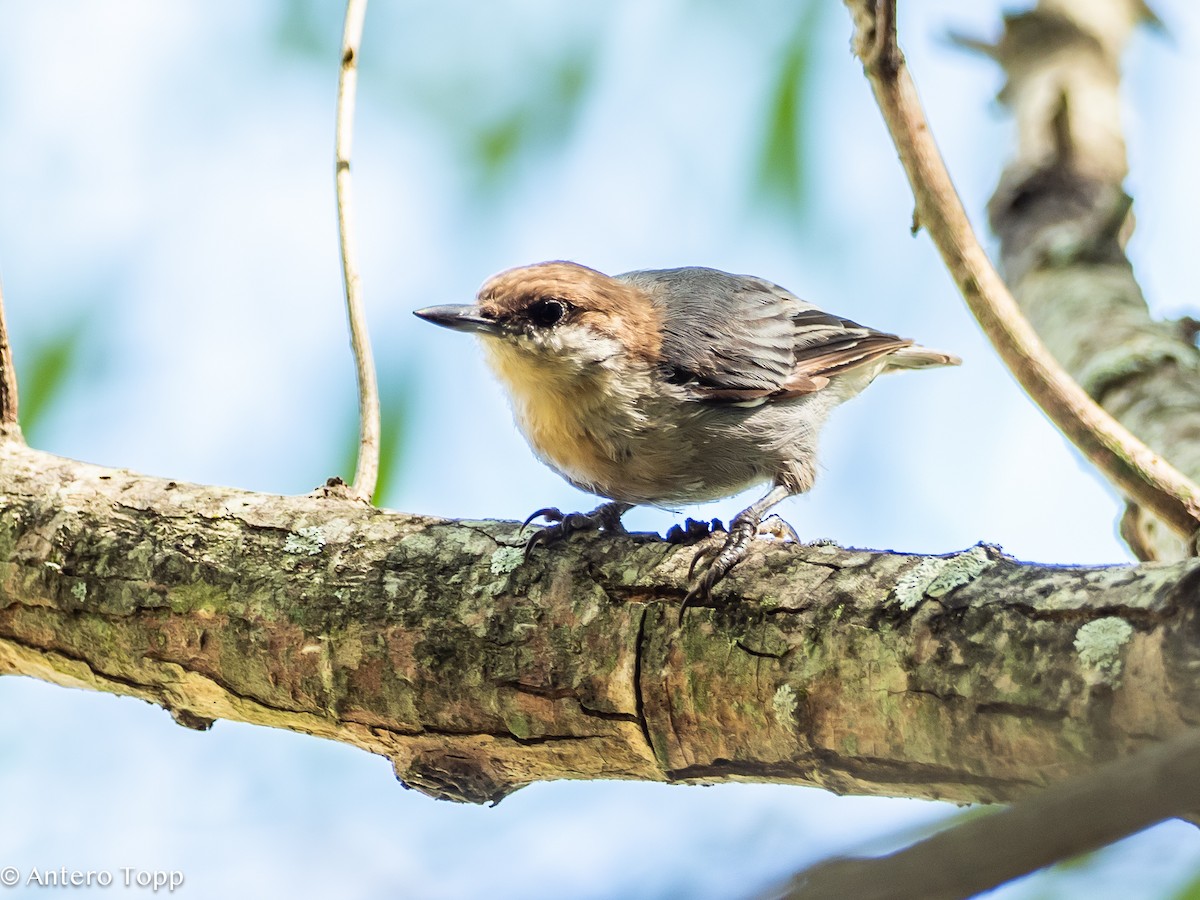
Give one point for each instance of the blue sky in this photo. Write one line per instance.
(166, 186)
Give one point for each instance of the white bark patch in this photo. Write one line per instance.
(306, 541)
(936, 576)
(506, 559)
(1100, 645)
(785, 703)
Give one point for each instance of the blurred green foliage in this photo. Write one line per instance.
(1190, 890)
(781, 174)
(541, 121)
(522, 104)
(44, 371)
(494, 130)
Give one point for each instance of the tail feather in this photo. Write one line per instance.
(916, 357)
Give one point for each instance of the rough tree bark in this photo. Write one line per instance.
(969, 677)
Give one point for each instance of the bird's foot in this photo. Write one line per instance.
(693, 530)
(606, 517)
(742, 530)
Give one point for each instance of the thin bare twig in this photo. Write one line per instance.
(1061, 822)
(8, 377)
(366, 472)
(1136, 469)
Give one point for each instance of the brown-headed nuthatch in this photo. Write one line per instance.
(672, 386)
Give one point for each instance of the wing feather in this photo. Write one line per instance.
(737, 339)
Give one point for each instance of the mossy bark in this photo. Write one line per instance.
(970, 677)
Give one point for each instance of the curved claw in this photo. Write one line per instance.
(606, 517)
(703, 588)
(741, 533)
(700, 554)
(538, 538)
(549, 513)
(690, 596)
(562, 527)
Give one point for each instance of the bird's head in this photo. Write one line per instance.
(556, 320)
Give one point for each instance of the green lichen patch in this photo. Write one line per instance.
(306, 541)
(507, 559)
(959, 570)
(910, 588)
(1100, 644)
(784, 703)
(936, 576)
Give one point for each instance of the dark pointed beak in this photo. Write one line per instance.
(460, 318)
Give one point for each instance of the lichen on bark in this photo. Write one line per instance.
(436, 644)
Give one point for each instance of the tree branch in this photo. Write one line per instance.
(1124, 459)
(1069, 819)
(1063, 221)
(366, 472)
(8, 381)
(972, 677)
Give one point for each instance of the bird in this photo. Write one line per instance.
(667, 387)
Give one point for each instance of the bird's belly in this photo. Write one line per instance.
(608, 432)
(638, 459)
(577, 440)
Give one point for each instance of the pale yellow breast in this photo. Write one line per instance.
(572, 419)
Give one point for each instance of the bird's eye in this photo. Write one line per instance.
(545, 313)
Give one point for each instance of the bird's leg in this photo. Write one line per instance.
(742, 530)
(606, 517)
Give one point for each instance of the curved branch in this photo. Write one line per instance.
(972, 677)
(366, 472)
(1132, 466)
(1065, 821)
(1063, 222)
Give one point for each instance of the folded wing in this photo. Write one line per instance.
(741, 340)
